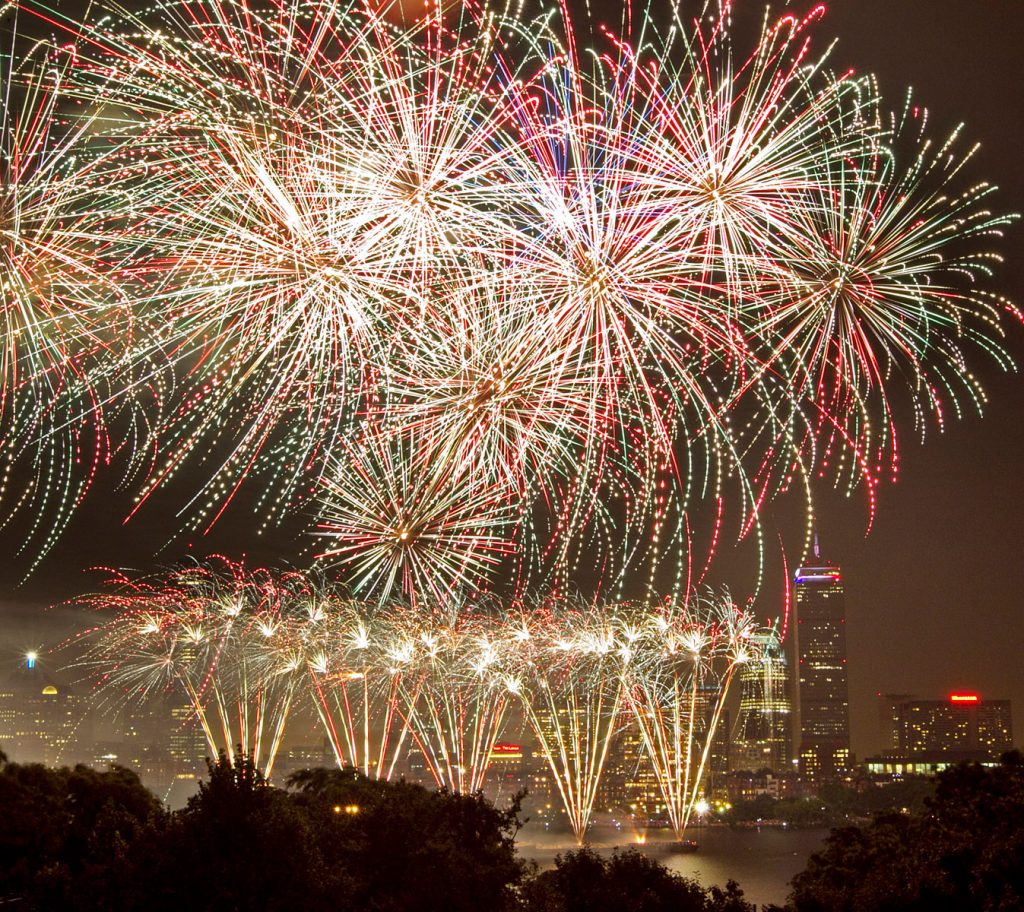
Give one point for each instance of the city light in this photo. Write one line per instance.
(440, 679)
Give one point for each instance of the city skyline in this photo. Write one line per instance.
(26, 635)
(161, 738)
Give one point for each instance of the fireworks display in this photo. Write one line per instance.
(247, 649)
(495, 305)
(677, 689)
(54, 347)
(229, 641)
(486, 306)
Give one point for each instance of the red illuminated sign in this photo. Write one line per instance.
(506, 748)
(964, 698)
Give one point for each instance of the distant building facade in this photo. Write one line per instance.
(889, 719)
(964, 722)
(641, 792)
(932, 735)
(508, 771)
(822, 691)
(41, 718)
(762, 738)
(187, 745)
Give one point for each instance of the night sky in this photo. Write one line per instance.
(935, 591)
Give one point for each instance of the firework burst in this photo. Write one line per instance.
(499, 304)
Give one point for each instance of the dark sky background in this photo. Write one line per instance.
(935, 591)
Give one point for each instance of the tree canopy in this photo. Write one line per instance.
(963, 852)
(82, 840)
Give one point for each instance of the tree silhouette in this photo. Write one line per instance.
(963, 853)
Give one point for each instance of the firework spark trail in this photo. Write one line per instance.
(354, 678)
(249, 648)
(229, 639)
(498, 308)
(398, 520)
(453, 700)
(567, 680)
(676, 692)
(57, 293)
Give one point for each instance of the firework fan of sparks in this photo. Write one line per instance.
(677, 688)
(491, 306)
(247, 649)
(453, 701)
(233, 642)
(355, 664)
(58, 297)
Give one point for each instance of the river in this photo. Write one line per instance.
(761, 861)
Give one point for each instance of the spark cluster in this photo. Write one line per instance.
(248, 649)
(493, 301)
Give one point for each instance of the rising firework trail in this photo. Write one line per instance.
(229, 640)
(452, 698)
(355, 666)
(676, 690)
(567, 675)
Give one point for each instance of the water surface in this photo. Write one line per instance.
(761, 861)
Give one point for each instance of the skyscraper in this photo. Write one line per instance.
(764, 726)
(822, 689)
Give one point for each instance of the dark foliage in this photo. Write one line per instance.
(63, 832)
(963, 853)
(837, 804)
(411, 848)
(240, 844)
(83, 841)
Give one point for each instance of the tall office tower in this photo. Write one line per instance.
(186, 744)
(764, 725)
(716, 773)
(822, 689)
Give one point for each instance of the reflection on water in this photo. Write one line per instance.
(761, 861)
